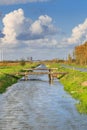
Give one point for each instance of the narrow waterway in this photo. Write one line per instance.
(37, 105)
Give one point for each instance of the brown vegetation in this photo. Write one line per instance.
(84, 83)
(81, 54)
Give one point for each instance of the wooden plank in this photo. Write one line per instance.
(40, 69)
(33, 73)
(37, 73)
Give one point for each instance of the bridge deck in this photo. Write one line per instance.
(30, 69)
(38, 73)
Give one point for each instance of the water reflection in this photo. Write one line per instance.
(37, 105)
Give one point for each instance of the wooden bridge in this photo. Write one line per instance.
(52, 73)
(41, 71)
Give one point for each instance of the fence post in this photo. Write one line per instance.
(26, 76)
(50, 76)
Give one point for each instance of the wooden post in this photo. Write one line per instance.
(26, 76)
(50, 77)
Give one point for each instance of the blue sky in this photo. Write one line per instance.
(43, 29)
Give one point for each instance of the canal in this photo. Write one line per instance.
(38, 105)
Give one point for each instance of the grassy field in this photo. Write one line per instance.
(73, 84)
(8, 68)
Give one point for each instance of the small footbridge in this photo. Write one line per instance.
(52, 73)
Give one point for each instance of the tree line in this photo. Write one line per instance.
(79, 55)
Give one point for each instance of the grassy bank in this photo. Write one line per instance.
(73, 84)
(5, 79)
(5, 82)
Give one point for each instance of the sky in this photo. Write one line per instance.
(42, 29)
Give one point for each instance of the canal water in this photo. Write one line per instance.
(38, 105)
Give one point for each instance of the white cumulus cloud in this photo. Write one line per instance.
(19, 29)
(42, 27)
(79, 33)
(12, 24)
(43, 24)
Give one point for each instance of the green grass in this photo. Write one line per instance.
(73, 85)
(6, 80)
